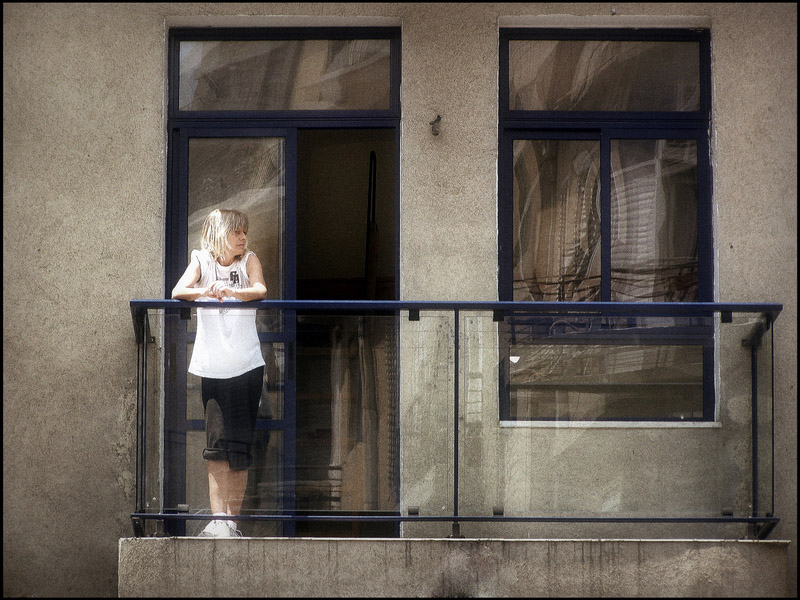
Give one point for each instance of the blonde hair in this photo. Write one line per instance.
(216, 228)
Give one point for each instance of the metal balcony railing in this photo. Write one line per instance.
(484, 419)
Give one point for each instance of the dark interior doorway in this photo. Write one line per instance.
(346, 393)
(333, 213)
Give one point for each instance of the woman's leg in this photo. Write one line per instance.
(237, 484)
(217, 487)
(231, 407)
(226, 487)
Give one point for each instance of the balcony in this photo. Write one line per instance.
(475, 420)
(470, 449)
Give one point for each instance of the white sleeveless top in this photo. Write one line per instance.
(227, 342)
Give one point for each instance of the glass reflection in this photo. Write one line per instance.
(587, 369)
(284, 75)
(346, 427)
(556, 220)
(654, 220)
(596, 75)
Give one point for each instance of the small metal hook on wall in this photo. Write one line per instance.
(435, 125)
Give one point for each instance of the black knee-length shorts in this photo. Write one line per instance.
(231, 407)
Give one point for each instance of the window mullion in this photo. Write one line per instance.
(605, 217)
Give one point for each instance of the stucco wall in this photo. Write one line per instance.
(83, 203)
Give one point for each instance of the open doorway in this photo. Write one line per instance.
(346, 459)
(334, 216)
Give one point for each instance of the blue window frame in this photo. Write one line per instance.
(279, 52)
(215, 95)
(605, 196)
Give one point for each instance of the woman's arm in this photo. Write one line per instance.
(184, 289)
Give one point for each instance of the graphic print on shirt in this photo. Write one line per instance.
(232, 281)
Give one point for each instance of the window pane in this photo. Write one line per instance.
(579, 369)
(654, 220)
(592, 75)
(284, 75)
(246, 174)
(556, 220)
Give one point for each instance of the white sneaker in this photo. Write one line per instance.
(216, 528)
(234, 530)
(220, 528)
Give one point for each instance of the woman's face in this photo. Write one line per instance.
(237, 241)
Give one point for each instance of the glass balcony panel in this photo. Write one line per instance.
(481, 472)
(606, 75)
(556, 220)
(765, 504)
(345, 450)
(284, 75)
(150, 486)
(625, 469)
(346, 409)
(427, 386)
(533, 469)
(738, 408)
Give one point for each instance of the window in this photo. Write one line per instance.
(649, 247)
(252, 74)
(605, 197)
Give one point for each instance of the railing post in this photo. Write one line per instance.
(139, 383)
(753, 342)
(754, 417)
(456, 349)
(143, 339)
(143, 426)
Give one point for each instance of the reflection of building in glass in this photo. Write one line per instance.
(284, 75)
(585, 75)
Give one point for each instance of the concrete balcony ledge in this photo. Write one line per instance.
(405, 567)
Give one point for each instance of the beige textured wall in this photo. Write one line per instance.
(754, 69)
(82, 235)
(83, 181)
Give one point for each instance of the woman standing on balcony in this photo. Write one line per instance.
(227, 357)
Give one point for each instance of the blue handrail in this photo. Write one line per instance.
(686, 309)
